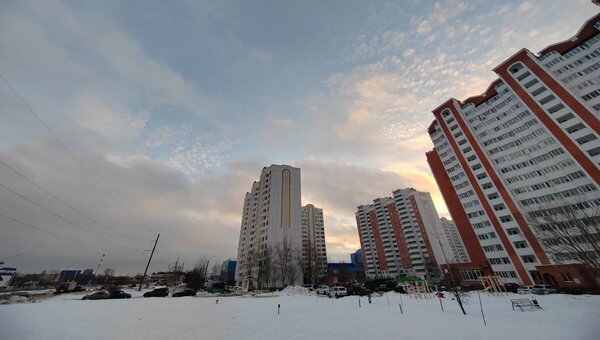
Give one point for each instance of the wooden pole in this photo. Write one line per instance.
(148, 265)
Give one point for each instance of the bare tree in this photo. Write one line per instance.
(196, 278)
(311, 266)
(216, 269)
(343, 272)
(286, 263)
(247, 266)
(265, 268)
(283, 257)
(108, 273)
(570, 231)
(295, 267)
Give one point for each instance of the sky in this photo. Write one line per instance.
(165, 112)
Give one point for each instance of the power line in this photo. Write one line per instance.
(88, 172)
(66, 219)
(51, 232)
(60, 200)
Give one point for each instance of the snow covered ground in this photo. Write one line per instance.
(302, 317)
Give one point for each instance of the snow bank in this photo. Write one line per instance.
(301, 316)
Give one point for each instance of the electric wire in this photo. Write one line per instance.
(47, 192)
(66, 219)
(52, 233)
(59, 141)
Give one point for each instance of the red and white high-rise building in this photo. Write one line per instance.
(403, 235)
(529, 143)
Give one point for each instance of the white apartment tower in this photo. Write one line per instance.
(529, 147)
(271, 220)
(400, 235)
(314, 252)
(451, 238)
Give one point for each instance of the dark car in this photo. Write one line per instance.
(399, 289)
(511, 287)
(158, 292)
(385, 287)
(359, 290)
(119, 294)
(96, 296)
(186, 292)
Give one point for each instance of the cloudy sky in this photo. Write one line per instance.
(172, 109)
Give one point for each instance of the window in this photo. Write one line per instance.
(520, 244)
(565, 118)
(575, 128)
(528, 259)
(567, 277)
(471, 274)
(499, 260)
(512, 231)
(507, 274)
(586, 138)
(495, 247)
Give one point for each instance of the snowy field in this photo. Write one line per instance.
(302, 317)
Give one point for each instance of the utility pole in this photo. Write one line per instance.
(97, 269)
(148, 265)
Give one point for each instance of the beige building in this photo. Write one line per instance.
(314, 253)
(270, 232)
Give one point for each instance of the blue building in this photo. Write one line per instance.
(341, 272)
(357, 260)
(228, 271)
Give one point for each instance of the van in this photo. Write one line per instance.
(338, 291)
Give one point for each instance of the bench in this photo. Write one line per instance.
(525, 303)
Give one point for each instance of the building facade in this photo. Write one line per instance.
(357, 259)
(400, 236)
(271, 226)
(451, 240)
(526, 149)
(314, 252)
(228, 271)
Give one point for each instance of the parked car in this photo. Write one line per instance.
(400, 289)
(96, 296)
(185, 292)
(157, 292)
(386, 287)
(525, 290)
(311, 287)
(472, 286)
(511, 287)
(544, 289)
(338, 291)
(119, 294)
(323, 290)
(361, 290)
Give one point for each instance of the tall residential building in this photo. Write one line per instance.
(399, 235)
(271, 222)
(525, 149)
(314, 252)
(449, 235)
